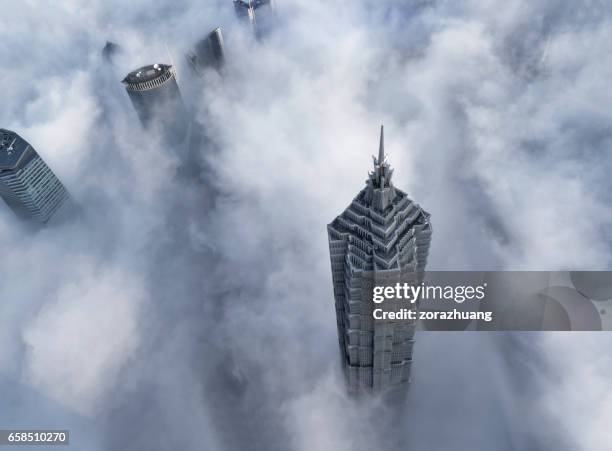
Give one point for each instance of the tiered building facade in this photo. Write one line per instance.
(381, 239)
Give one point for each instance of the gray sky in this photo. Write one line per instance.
(158, 321)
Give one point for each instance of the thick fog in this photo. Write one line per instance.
(176, 314)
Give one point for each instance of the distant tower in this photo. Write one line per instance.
(110, 50)
(27, 184)
(156, 97)
(381, 239)
(261, 15)
(209, 52)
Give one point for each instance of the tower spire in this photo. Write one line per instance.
(380, 191)
(381, 149)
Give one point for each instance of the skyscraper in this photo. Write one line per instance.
(208, 52)
(381, 239)
(110, 50)
(260, 14)
(27, 184)
(157, 99)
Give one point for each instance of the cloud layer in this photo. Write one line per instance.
(168, 317)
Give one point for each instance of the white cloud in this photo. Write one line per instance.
(496, 123)
(79, 342)
(578, 391)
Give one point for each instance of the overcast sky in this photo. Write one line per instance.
(159, 319)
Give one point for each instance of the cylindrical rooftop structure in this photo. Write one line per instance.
(156, 97)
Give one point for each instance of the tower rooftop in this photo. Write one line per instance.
(148, 73)
(12, 149)
(252, 3)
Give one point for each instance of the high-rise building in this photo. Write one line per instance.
(27, 184)
(110, 50)
(208, 52)
(261, 15)
(157, 99)
(381, 239)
